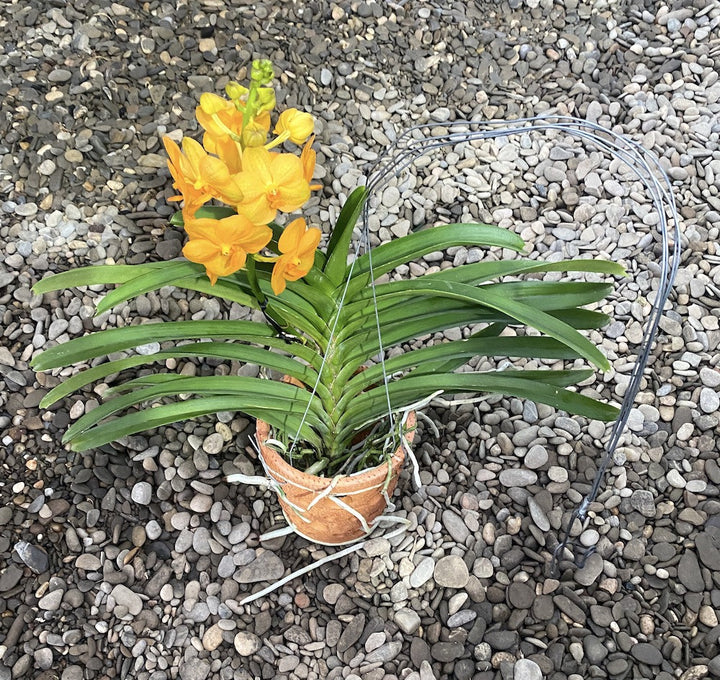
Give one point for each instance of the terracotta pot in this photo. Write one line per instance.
(328, 522)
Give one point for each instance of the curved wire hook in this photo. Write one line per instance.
(414, 143)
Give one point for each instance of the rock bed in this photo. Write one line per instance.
(131, 561)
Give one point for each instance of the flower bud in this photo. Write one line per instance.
(235, 91)
(298, 124)
(212, 103)
(262, 71)
(266, 99)
(254, 134)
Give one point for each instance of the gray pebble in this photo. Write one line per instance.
(384, 653)
(647, 653)
(536, 457)
(455, 526)
(72, 673)
(451, 572)
(644, 502)
(710, 377)
(194, 669)
(266, 567)
(127, 598)
(527, 669)
(591, 571)
(141, 493)
(213, 444)
(517, 477)
(43, 658)
(153, 530)
(32, 556)
(88, 562)
(407, 620)
(51, 601)
(709, 400)
(226, 568)
(59, 75)
(422, 573)
(246, 644)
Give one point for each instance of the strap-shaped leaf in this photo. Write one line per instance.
(264, 393)
(339, 245)
(301, 297)
(373, 404)
(293, 309)
(165, 414)
(112, 340)
(413, 246)
(547, 295)
(96, 275)
(492, 330)
(514, 309)
(479, 272)
(152, 280)
(361, 344)
(219, 350)
(460, 351)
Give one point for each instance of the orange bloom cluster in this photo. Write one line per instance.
(236, 165)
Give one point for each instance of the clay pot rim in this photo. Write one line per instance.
(360, 480)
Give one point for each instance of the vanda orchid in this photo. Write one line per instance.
(323, 324)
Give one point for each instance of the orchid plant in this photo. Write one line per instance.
(324, 321)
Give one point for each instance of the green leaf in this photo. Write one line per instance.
(298, 310)
(479, 272)
(150, 280)
(265, 394)
(372, 405)
(546, 295)
(413, 246)
(223, 289)
(100, 274)
(514, 309)
(339, 245)
(425, 360)
(194, 408)
(492, 330)
(219, 350)
(112, 340)
(359, 342)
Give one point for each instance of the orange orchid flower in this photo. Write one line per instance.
(200, 176)
(223, 245)
(270, 182)
(297, 245)
(193, 194)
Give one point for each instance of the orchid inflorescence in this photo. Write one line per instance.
(236, 165)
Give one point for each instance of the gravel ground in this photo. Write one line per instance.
(130, 561)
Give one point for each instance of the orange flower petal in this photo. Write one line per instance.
(202, 228)
(199, 250)
(277, 280)
(289, 240)
(256, 165)
(257, 210)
